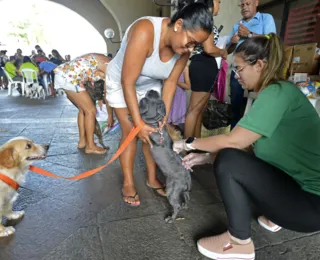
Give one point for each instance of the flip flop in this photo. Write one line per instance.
(156, 189)
(130, 197)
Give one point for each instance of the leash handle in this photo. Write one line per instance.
(134, 132)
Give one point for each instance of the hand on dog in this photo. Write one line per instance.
(144, 134)
(180, 145)
(163, 123)
(193, 159)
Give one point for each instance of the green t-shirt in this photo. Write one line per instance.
(29, 65)
(11, 69)
(290, 129)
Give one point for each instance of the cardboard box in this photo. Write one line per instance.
(305, 59)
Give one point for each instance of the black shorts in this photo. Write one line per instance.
(203, 71)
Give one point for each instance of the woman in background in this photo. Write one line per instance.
(71, 76)
(203, 74)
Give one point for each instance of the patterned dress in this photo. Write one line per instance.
(79, 70)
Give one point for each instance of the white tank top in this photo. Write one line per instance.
(154, 71)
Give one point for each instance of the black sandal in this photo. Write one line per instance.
(130, 197)
(156, 189)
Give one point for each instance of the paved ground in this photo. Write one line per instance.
(88, 220)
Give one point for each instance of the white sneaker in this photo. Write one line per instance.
(268, 225)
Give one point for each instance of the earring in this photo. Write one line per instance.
(175, 29)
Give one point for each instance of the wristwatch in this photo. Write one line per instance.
(250, 35)
(189, 142)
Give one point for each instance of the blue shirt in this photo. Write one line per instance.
(260, 24)
(47, 66)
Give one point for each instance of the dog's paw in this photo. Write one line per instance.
(15, 215)
(169, 220)
(7, 231)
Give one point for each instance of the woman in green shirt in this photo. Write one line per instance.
(281, 174)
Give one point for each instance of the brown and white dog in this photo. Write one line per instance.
(15, 158)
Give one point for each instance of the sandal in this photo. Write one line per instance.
(156, 189)
(132, 204)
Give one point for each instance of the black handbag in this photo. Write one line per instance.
(217, 115)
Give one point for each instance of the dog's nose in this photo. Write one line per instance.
(46, 146)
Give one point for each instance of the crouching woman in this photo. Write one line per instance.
(281, 177)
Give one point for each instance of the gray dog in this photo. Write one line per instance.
(178, 185)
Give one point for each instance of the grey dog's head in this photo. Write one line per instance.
(152, 108)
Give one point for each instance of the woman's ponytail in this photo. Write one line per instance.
(269, 49)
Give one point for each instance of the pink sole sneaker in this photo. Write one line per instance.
(221, 248)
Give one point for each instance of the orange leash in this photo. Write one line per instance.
(9, 181)
(89, 173)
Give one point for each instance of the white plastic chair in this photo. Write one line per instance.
(31, 77)
(15, 83)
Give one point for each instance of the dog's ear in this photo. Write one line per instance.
(161, 109)
(143, 106)
(8, 158)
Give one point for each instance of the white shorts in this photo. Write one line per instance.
(115, 95)
(60, 81)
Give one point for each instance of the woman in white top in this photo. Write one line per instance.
(153, 54)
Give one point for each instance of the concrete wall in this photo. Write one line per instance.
(228, 16)
(127, 11)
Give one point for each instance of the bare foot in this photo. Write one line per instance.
(95, 150)
(157, 186)
(130, 195)
(81, 144)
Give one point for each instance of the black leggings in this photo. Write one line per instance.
(245, 180)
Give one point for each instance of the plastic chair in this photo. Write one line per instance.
(31, 77)
(15, 83)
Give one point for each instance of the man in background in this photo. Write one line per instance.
(252, 24)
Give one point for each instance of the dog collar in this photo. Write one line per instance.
(9, 181)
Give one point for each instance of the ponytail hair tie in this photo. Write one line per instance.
(268, 36)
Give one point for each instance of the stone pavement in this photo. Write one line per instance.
(87, 219)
